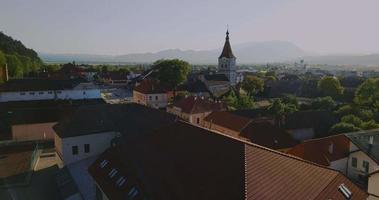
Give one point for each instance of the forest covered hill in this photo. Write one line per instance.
(20, 59)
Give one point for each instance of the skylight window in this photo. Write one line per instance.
(121, 181)
(104, 163)
(112, 173)
(133, 193)
(345, 191)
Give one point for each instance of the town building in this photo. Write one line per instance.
(44, 89)
(332, 151)
(363, 160)
(34, 120)
(182, 161)
(227, 62)
(150, 93)
(90, 130)
(194, 109)
(261, 131)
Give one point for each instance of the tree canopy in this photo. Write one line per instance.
(172, 73)
(367, 94)
(323, 103)
(252, 85)
(20, 60)
(330, 86)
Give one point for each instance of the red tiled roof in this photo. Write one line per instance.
(183, 161)
(194, 105)
(317, 150)
(149, 86)
(268, 135)
(228, 120)
(272, 175)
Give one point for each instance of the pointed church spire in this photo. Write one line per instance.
(227, 50)
(227, 32)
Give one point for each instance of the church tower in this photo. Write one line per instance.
(227, 62)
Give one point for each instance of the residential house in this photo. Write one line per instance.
(114, 77)
(225, 122)
(150, 93)
(44, 89)
(217, 84)
(363, 161)
(34, 120)
(332, 151)
(90, 130)
(182, 161)
(260, 131)
(194, 109)
(305, 125)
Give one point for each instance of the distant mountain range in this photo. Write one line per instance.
(246, 53)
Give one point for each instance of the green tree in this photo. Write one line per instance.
(330, 86)
(172, 73)
(244, 102)
(346, 110)
(290, 99)
(323, 103)
(343, 128)
(14, 66)
(230, 100)
(280, 110)
(367, 94)
(371, 124)
(352, 119)
(252, 85)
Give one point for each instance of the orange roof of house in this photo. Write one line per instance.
(323, 150)
(194, 105)
(268, 135)
(228, 120)
(149, 86)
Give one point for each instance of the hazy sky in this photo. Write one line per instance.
(128, 26)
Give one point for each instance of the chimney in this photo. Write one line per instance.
(371, 140)
(331, 148)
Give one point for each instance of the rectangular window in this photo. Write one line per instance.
(50, 92)
(150, 98)
(75, 150)
(22, 93)
(365, 165)
(86, 148)
(31, 93)
(40, 92)
(156, 97)
(354, 162)
(198, 120)
(58, 92)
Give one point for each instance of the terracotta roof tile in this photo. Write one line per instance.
(194, 105)
(149, 86)
(228, 120)
(318, 150)
(268, 135)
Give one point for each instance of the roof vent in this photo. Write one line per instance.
(345, 191)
